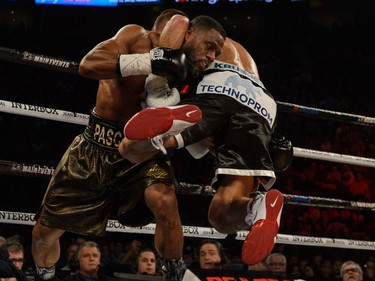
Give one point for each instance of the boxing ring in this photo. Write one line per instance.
(53, 114)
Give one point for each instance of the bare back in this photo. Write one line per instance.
(236, 54)
(118, 98)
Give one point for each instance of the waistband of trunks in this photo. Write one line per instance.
(103, 133)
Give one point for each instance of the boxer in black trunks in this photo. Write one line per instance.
(92, 180)
(240, 114)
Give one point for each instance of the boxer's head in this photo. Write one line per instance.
(203, 43)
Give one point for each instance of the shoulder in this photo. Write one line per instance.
(229, 53)
(132, 30)
(236, 47)
(244, 58)
(131, 38)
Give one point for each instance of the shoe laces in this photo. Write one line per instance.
(157, 142)
(173, 270)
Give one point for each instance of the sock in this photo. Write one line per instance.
(249, 217)
(45, 273)
(252, 208)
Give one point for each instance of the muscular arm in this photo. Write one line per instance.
(173, 34)
(101, 61)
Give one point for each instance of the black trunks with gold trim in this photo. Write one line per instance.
(103, 133)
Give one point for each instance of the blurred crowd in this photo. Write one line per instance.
(113, 258)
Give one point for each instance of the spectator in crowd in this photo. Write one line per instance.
(79, 240)
(2, 240)
(336, 268)
(130, 250)
(117, 253)
(5, 272)
(326, 270)
(145, 262)
(276, 262)
(105, 255)
(360, 188)
(8, 270)
(311, 272)
(211, 255)
(369, 273)
(88, 263)
(294, 272)
(16, 253)
(66, 270)
(352, 271)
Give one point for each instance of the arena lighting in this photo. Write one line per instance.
(214, 2)
(101, 3)
(78, 2)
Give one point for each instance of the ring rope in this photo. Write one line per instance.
(333, 157)
(22, 169)
(43, 112)
(207, 232)
(23, 57)
(82, 119)
(325, 114)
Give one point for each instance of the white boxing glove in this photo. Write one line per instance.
(158, 93)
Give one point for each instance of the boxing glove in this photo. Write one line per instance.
(281, 151)
(160, 61)
(158, 93)
(170, 63)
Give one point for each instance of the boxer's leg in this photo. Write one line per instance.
(46, 251)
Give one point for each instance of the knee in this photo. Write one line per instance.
(217, 215)
(165, 204)
(168, 204)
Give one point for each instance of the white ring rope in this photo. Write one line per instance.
(333, 157)
(34, 170)
(207, 232)
(58, 64)
(82, 119)
(43, 112)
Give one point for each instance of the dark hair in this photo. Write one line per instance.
(220, 248)
(7, 268)
(206, 23)
(135, 258)
(14, 246)
(165, 16)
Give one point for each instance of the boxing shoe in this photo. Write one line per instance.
(151, 122)
(173, 270)
(45, 274)
(266, 210)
